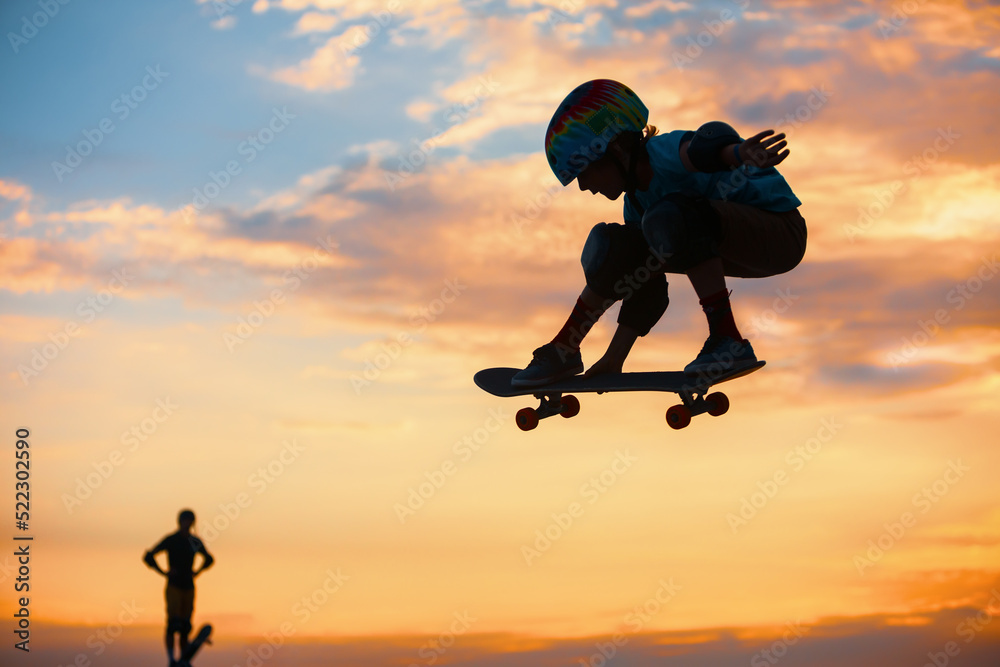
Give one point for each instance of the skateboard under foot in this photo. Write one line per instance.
(555, 399)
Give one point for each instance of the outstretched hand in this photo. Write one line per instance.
(763, 150)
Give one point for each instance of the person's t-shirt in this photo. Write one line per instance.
(180, 550)
(762, 188)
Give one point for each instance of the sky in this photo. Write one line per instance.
(253, 253)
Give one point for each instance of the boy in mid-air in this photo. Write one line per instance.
(706, 203)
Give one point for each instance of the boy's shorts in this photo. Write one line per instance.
(754, 243)
(180, 602)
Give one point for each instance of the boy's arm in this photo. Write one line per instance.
(150, 557)
(716, 146)
(621, 344)
(207, 560)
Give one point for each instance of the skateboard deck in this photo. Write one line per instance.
(692, 390)
(201, 638)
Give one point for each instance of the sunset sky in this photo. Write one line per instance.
(252, 254)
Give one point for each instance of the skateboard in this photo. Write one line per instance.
(692, 389)
(195, 644)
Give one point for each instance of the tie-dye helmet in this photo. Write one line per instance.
(586, 121)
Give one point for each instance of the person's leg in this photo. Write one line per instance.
(588, 309)
(173, 608)
(752, 243)
(187, 611)
(709, 240)
(609, 256)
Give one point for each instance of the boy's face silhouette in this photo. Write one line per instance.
(602, 177)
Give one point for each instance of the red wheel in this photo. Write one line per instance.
(718, 404)
(526, 419)
(678, 416)
(571, 406)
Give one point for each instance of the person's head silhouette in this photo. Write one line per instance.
(185, 520)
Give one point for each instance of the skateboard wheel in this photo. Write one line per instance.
(718, 403)
(526, 419)
(571, 406)
(678, 416)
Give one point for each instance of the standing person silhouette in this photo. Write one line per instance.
(181, 548)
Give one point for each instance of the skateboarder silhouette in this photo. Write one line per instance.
(707, 204)
(181, 548)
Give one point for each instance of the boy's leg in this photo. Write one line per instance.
(752, 243)
(710, 240)
(725, 349)
(173, 599)
(186, 612)
(611, 256)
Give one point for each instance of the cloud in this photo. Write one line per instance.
(315, 22)
(864, 641)
(332, 67)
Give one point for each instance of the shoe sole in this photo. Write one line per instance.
(711, 369)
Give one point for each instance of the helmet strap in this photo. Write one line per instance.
(628, 174)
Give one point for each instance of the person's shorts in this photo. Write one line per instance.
(754, 243)
(180, 602)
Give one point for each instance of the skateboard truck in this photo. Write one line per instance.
(550, 404)
(694, 402)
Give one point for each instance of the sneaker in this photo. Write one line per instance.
(722, 354)
(549, 364)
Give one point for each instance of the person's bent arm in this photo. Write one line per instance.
(612, 361)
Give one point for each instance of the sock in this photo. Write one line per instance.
(579, 323)
(720, 315)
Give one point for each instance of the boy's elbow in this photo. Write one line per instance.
(706, 151)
